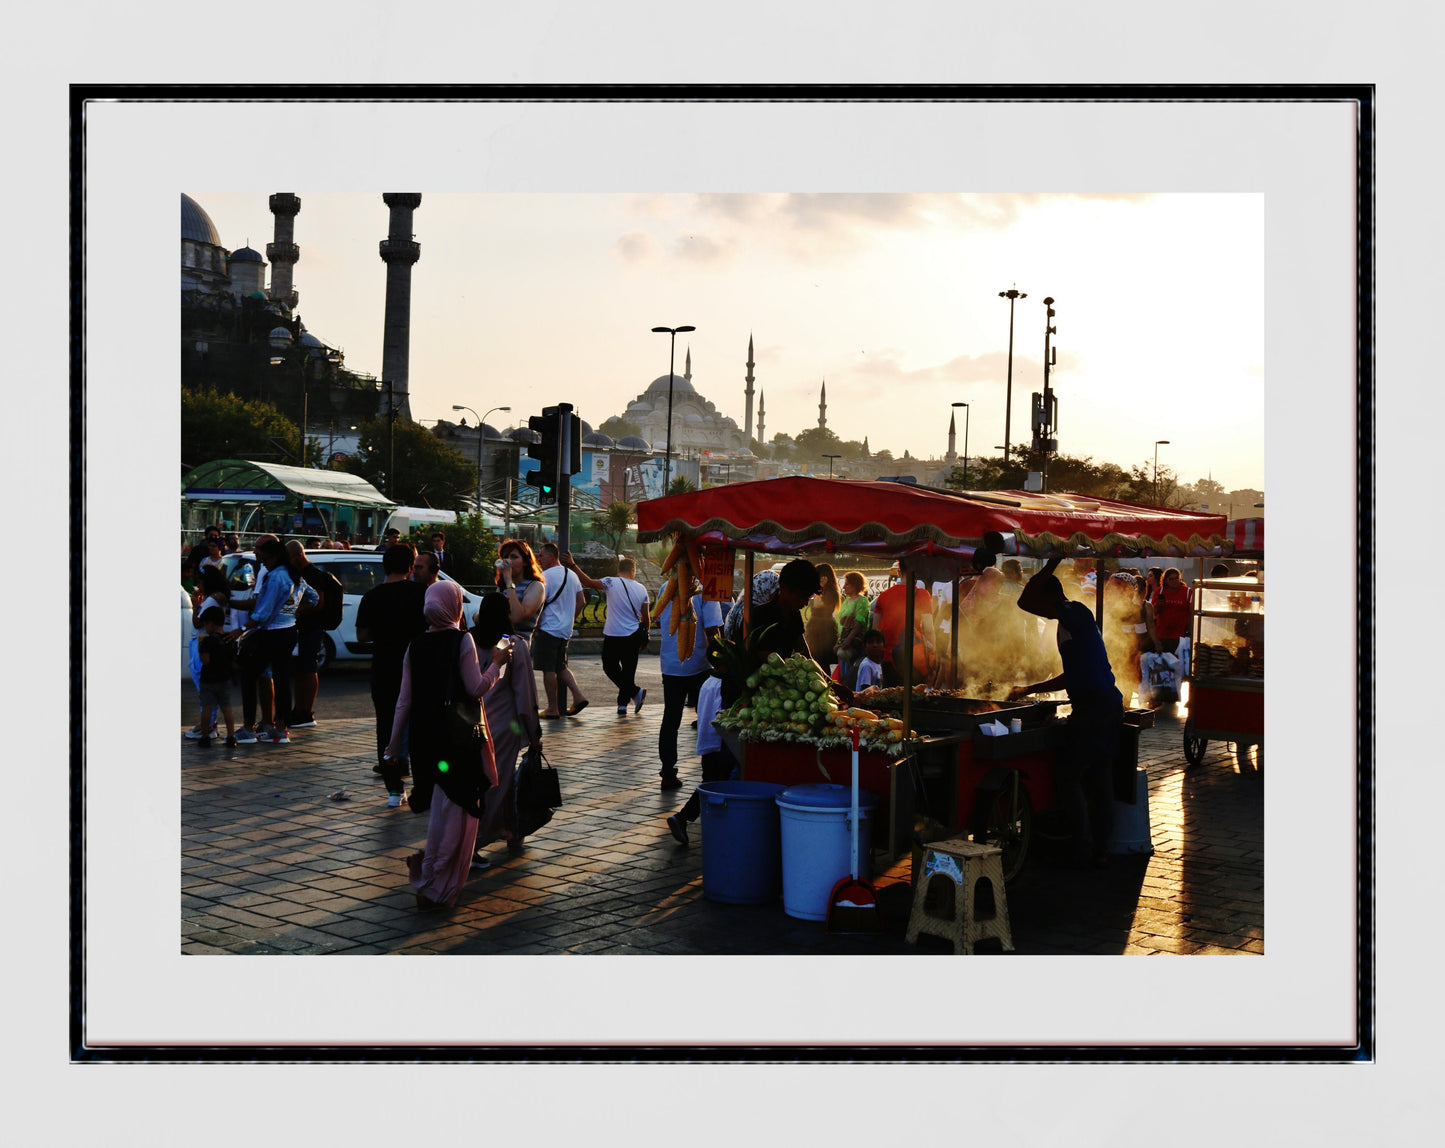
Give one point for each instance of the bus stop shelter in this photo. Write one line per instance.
(262, 497)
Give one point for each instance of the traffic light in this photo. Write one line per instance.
(545, 450)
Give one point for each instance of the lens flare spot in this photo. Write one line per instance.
(442, 767)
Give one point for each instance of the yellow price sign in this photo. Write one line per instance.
(717, 573)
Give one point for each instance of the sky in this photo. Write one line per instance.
(892, 299)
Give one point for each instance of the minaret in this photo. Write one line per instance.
(398, 251)
(952, 456)
(823, 406)
(687, 366)
(748, 378)
(762, 415)
(283, 253)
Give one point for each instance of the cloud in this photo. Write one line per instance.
(700, 249)
(636, 247)
(852, 218)
(652, 206)
(883, 369)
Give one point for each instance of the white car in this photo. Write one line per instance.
(357, 570)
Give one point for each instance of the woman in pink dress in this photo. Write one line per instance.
(512, 716)
(455, 782)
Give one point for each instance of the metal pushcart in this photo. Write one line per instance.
(1226, 668)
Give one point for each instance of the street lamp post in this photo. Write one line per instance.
(671, 332)
(1157, 444)
(1011, 294)
(830, 458)
(481, 421)
(965, 442)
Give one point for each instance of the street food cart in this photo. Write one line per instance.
(943, 765)
(1226, 668)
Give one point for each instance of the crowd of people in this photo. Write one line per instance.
(434, 672)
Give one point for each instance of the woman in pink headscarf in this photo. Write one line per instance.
(453, 782)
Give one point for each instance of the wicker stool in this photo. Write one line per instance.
(965, 864)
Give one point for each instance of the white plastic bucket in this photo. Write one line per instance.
(1131, 822)
(817, 845)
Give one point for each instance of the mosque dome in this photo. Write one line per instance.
(246, 255)
(310, 340)
(523, 434)
(586, 428)
(639, 406)
(693, 419)
(680, 386)
(597, 439)
(196, 224)
(491, 432)
(280, 333)
(632, 442)
(259, 295)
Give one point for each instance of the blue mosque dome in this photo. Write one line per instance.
(196, 224)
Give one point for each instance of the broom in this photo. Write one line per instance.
(853, 903)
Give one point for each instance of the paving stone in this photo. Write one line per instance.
(308, 875)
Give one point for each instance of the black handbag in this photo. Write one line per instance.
(537, 792)
(463, 733)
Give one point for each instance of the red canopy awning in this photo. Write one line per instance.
(1247, 536)
(790, 515)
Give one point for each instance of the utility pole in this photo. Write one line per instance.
(564, 475)
(390, 440)
(1048, 425)
(1011, 294)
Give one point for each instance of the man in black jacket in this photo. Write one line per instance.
(445, 563)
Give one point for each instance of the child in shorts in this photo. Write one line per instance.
(218, 664)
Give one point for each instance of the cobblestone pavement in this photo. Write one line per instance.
(270, 864)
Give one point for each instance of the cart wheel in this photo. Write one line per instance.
(1011, 827)
(1194, 747)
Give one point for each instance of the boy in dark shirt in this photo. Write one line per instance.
(218, 663)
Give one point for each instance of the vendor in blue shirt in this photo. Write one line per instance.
(1084, 775)
(682, 678)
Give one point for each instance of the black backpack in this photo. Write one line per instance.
(328, 586)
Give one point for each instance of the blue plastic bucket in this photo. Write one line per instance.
(741, 849)
(817, 844)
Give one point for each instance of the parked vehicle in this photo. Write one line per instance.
(357, 570)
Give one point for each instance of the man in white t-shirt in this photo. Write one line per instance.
(561, 604)
(624, 634)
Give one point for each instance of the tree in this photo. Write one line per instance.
(613, 522)
(815, 442)
(471, 543)
(617, 427)
(216, 425)
(1139, 486)
(429, 472)
(681, 485)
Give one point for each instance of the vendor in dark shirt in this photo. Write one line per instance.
(1084, 775)
(779, 623)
